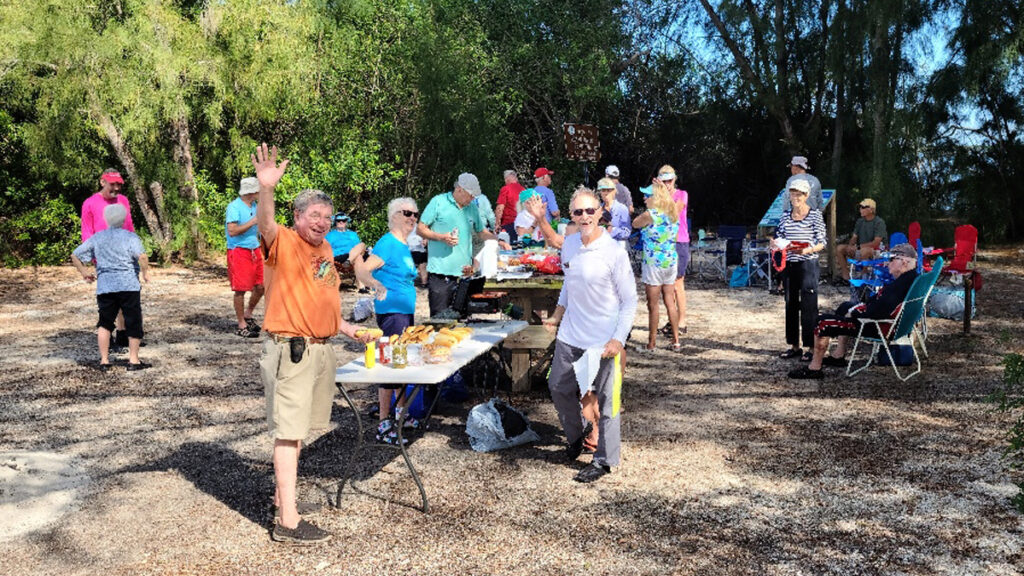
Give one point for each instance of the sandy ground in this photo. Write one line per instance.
(728, 466)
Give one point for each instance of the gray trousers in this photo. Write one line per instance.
(565, 393)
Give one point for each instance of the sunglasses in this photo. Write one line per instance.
(864, 206)
(589, 211)
(410, 213)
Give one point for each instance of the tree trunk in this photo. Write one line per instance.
(767, 94)
(183, 156)
(161, 233)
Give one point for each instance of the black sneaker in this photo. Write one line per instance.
(136, 367)
(303, 534)
(247, 333)
(303, 508)
(252, 325)
(592, 472)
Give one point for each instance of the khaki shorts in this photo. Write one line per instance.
(299, 396)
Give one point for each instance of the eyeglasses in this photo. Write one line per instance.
(589, 211)
(410, 213)
(864, 206)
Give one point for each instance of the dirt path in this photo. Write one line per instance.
(729, 467)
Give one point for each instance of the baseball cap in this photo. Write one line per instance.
(248, 185)
(612, 170)
(647, 190)
(800, 161)
(527, 194)
(868, 202)
(542, 171)
(469, 183)
(801, 185)
(112, 177)
(605, 184)
(342, 217)
(666, 176)
(904, 250)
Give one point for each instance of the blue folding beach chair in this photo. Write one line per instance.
(889, 330)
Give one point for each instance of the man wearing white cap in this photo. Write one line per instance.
(245, 261)
(622, 194)
(448, 225)
(798, 168)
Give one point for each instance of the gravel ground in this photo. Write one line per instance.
(728, 466)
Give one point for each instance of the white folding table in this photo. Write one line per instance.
(484, 337)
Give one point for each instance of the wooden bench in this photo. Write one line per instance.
(520, 345)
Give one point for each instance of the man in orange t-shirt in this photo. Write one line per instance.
(303, 314)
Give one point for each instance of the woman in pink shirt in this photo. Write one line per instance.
(667, 176)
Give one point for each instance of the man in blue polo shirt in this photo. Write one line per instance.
(245, 261)
(543, 177)
(448, 224)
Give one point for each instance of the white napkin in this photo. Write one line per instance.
(586, 368)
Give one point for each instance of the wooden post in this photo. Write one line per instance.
(832, 235)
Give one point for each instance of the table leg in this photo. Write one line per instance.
(520, 367)
(356, 450)
(400, 423)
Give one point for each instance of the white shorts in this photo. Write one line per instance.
(658, 276)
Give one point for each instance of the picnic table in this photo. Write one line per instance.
(484, 337)
(538, 292)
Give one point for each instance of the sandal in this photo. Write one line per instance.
(806, 374)
(676, 347)
(834, 362)
(247, 333)
(252, 325)
(791, 353)
(806, 356)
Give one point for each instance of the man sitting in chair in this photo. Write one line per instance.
(868, 234)
(844, 323)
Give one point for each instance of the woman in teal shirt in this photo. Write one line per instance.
(393, 273)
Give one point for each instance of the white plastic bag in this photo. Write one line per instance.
(362, 309)
(488, 433)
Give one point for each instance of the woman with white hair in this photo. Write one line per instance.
(391, 270)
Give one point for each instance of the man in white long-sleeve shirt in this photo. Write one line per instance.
(595, 311)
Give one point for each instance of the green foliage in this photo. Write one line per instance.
(45, 235)
(213, 202)
(1010, 398)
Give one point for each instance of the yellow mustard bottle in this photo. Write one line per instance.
(371, 355)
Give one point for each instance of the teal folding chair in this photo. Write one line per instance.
(890, 330)
(922, 327)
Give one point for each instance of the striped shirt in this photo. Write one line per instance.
(810, 230)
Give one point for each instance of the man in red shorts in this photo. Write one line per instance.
(245, 260)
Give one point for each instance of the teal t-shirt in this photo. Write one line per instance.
(342, 242)
(442, 215)
(239, 213)
(397, 275)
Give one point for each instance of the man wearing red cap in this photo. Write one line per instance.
(110, 193)
(93, 222)
(543, 177)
